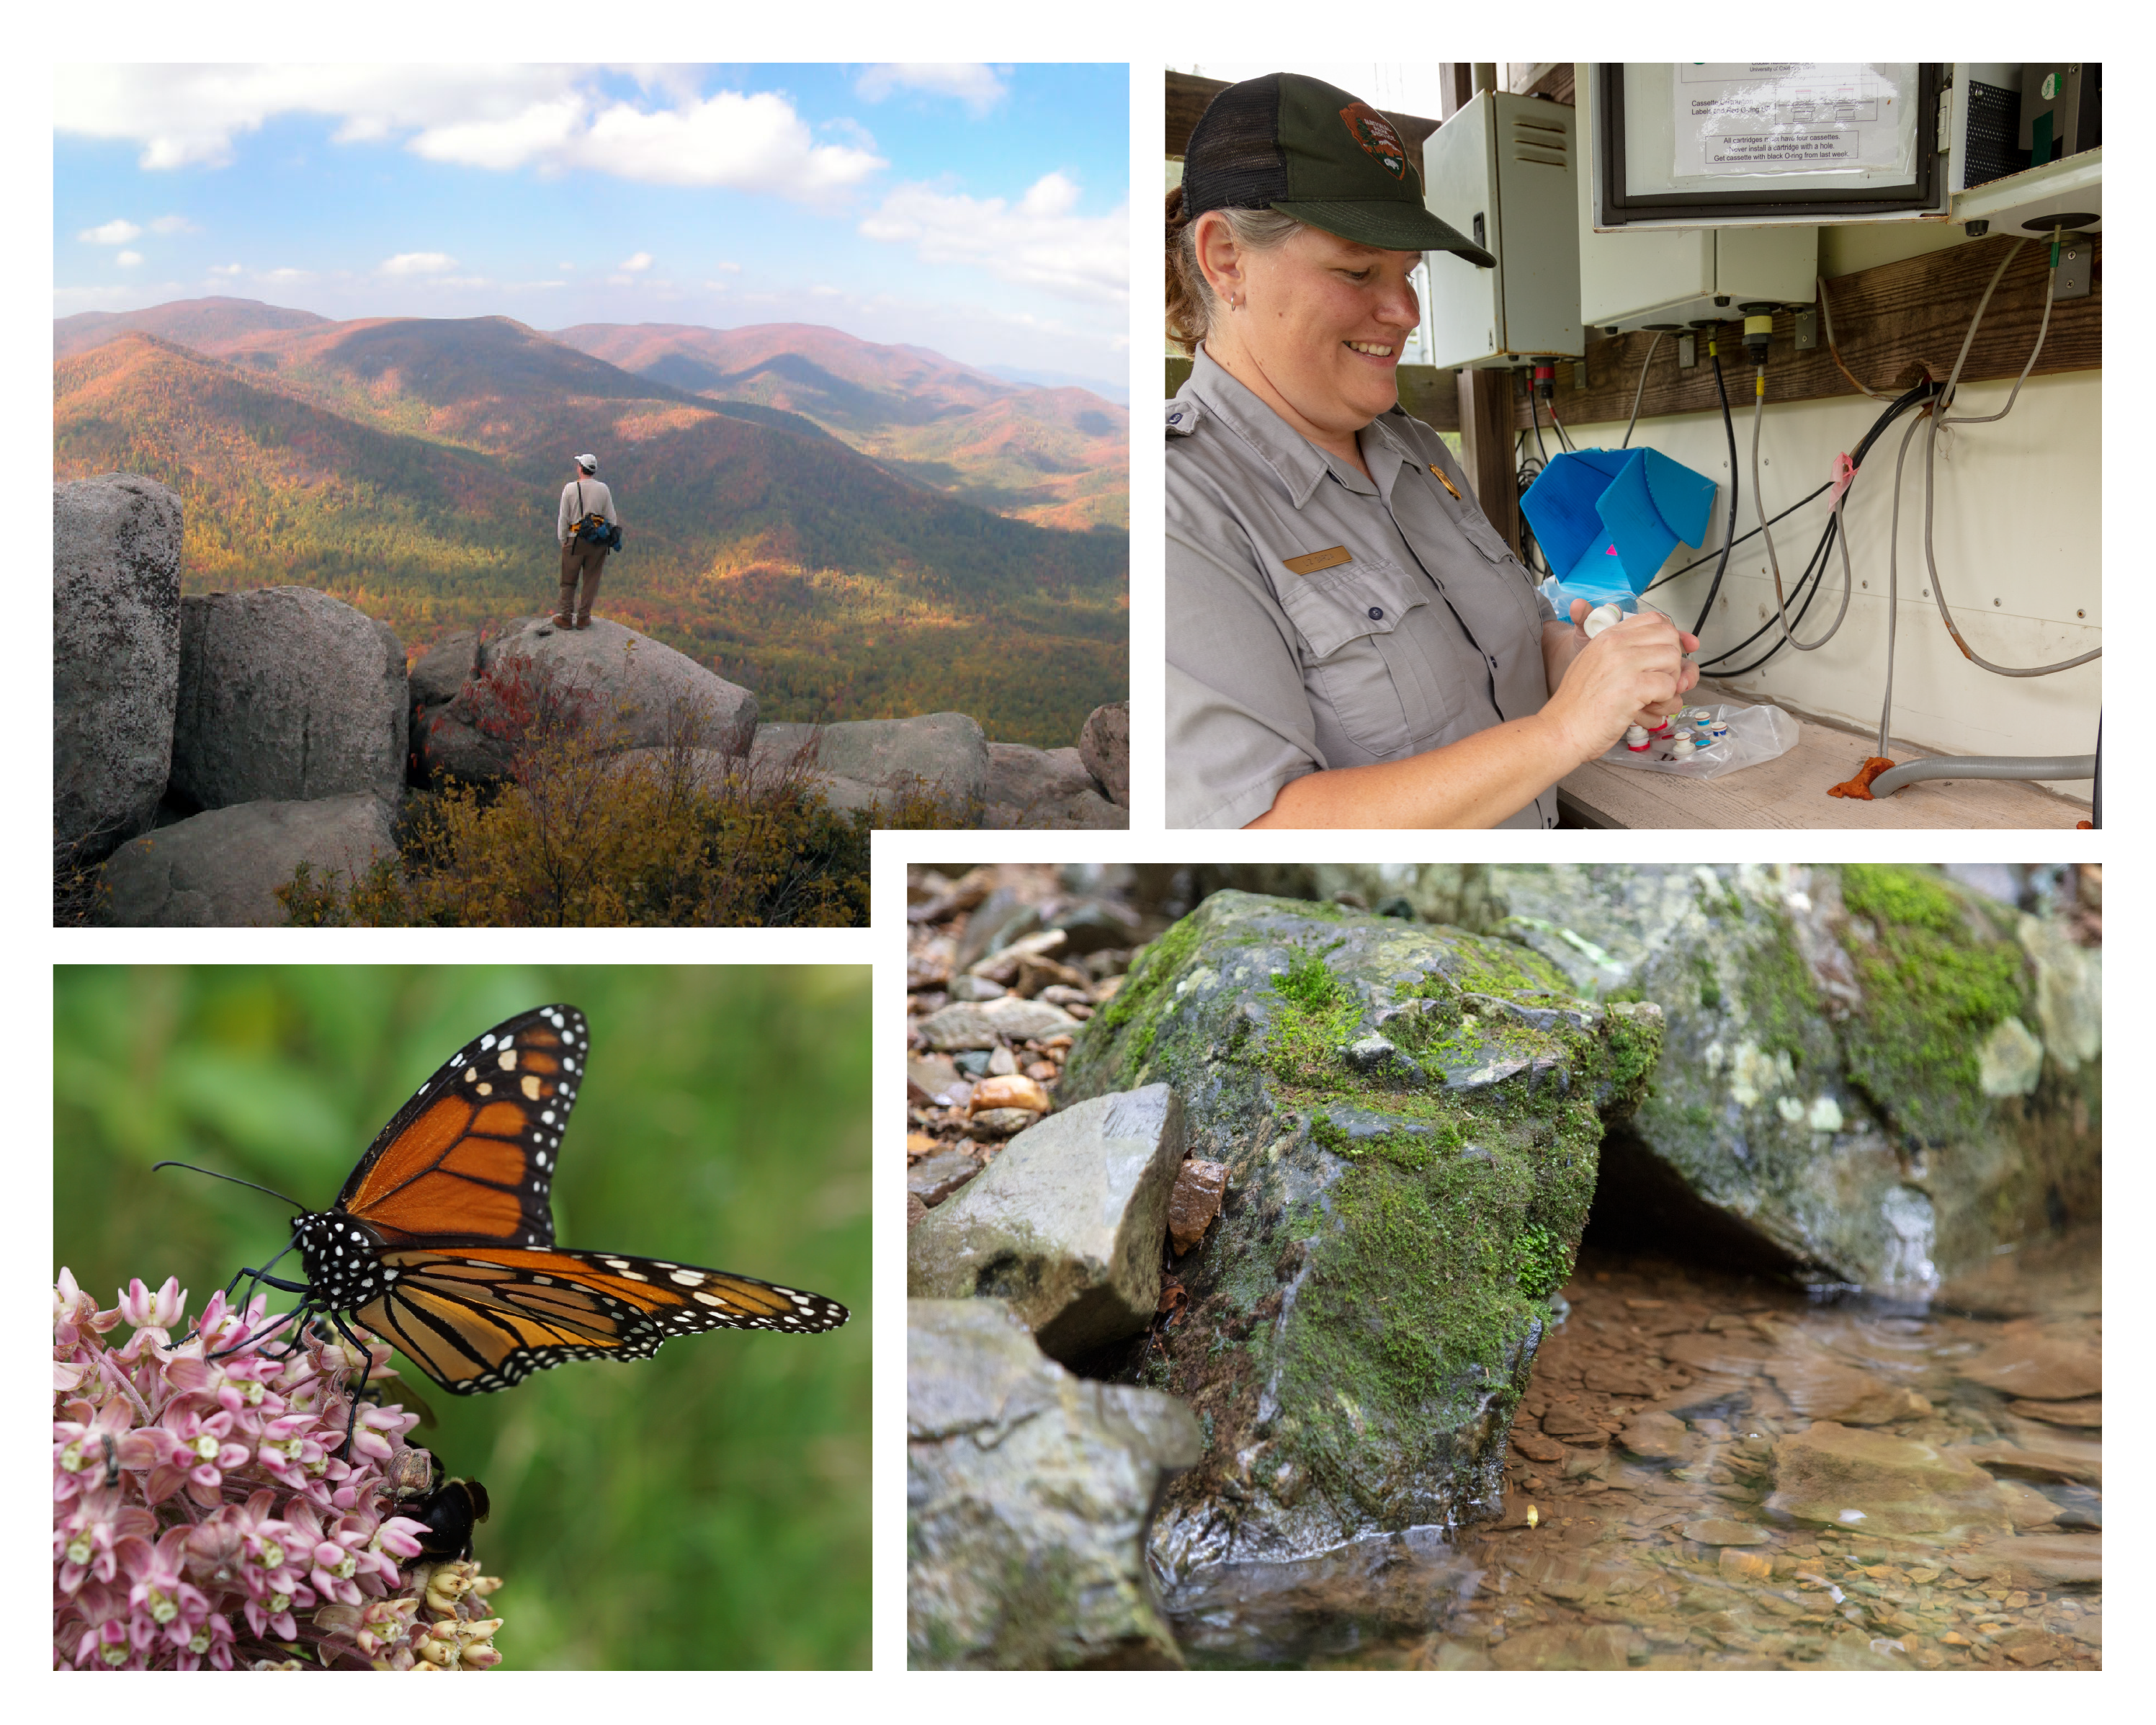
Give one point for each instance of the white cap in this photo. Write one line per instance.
(590, 464)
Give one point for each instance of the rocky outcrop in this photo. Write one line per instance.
(286, 695)
(1104, 746)
(115, 658)
(1065, 1223)
(1409, 1120)
(882, 763)
(222, 868)
(1873, 1074)
(1027, 1490)
(1046, 789)
(619, 688)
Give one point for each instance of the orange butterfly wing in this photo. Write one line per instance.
(483, 1318)
(471, 1156)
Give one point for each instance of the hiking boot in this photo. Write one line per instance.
(562, 622)
(583, 623)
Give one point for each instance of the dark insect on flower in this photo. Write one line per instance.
(450, 1511)
(442, 1241)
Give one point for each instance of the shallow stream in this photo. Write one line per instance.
(1714, 1471)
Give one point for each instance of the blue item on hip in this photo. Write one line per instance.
(1606, 518)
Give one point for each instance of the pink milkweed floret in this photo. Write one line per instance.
(201, 1515)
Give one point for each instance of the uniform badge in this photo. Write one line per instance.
(1374, 132)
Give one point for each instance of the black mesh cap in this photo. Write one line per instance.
(1311, 151)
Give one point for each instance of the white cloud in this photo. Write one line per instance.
(287, 275)
(174, 225)
(224, 269)
(128, 260)
(978, 87)
(549, 119)
(729, 268)
(642, 260)
(825, 291)
(1040, 241)
(112, 233)
(187, 115)
(416, 263)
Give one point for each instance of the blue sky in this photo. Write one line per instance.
(978, 210)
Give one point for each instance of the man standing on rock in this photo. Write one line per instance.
(587, 513)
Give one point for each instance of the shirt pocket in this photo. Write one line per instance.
(1474, 527)
(1367, 627)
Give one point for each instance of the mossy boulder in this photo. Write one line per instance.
(1409, 1116)
(1853, 1072)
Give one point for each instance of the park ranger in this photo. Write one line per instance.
(1350, 642)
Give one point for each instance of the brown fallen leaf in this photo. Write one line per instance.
(1860, 786)
(1199, 1187)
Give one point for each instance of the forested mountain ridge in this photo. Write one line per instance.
(412, 467)
(1060, 457)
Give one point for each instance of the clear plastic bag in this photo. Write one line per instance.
(1732, 739)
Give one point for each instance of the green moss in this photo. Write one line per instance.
(1781, 1003)
(1541, 1261)
(1635, 1049)
(1144, 994)
(1317, 1015)
(1935, 986)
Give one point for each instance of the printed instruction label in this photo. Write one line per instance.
(1795, 116)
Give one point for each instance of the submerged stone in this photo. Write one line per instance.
(1410, 1119)
(1867, 1482)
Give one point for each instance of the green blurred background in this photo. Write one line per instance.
(708, 1508)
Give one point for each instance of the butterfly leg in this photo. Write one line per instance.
(365, 1370)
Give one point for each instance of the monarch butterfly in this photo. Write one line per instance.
(442, 1241)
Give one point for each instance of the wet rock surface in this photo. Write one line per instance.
(1357, 1324)
(1824, 1096)
(1685, 1560)
(1027, 1492)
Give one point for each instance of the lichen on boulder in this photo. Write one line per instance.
(1410, 1118)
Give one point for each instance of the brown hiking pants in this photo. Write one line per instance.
(580, 558)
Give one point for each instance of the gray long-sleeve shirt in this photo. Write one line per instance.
(595, 500)
(1317, 618)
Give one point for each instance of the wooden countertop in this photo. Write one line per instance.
(1790, 790)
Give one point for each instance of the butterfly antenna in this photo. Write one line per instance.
(233, 1178)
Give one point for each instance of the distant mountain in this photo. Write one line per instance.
(1056, 457)
(412, 465)
(1118, 392)
(210, 326)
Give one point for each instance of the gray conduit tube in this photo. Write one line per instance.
(1985, 766)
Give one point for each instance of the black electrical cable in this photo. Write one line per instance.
(1702, 562)
(1894, 408)
(1728, 533)
(1537, 419)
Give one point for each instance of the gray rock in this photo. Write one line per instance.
(1066, 1224)
(222, 868)
(1849, 1092)
(1105, 747)
(115, 658)
(876, 762)
(625, 690)
(934, 1178)
(968, 1024)
(1363, 1313)
(286, 695)
(1027, 1491)
(1046, 790)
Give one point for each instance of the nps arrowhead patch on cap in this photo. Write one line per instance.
(1374, 132)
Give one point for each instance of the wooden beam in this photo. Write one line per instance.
(1187, 98)
(1486, 438)
(1890, 322)
(1456, 79)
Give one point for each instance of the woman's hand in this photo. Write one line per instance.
(1633, 672)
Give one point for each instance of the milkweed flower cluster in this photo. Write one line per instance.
(200, 1516)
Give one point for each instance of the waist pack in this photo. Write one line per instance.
(596, 530)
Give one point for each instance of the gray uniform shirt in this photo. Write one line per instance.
(1316, 618)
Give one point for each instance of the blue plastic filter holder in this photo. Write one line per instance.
(1606, 518)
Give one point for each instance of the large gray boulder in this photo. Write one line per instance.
(1065, 1223)
(222, 868)
(472, 695)
(1876, 1073)
(1104, 745)
(1410, 1119)
(1027, 1491)
(115, 658)
(878, 763)
(1046, 789)
(286, 695)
